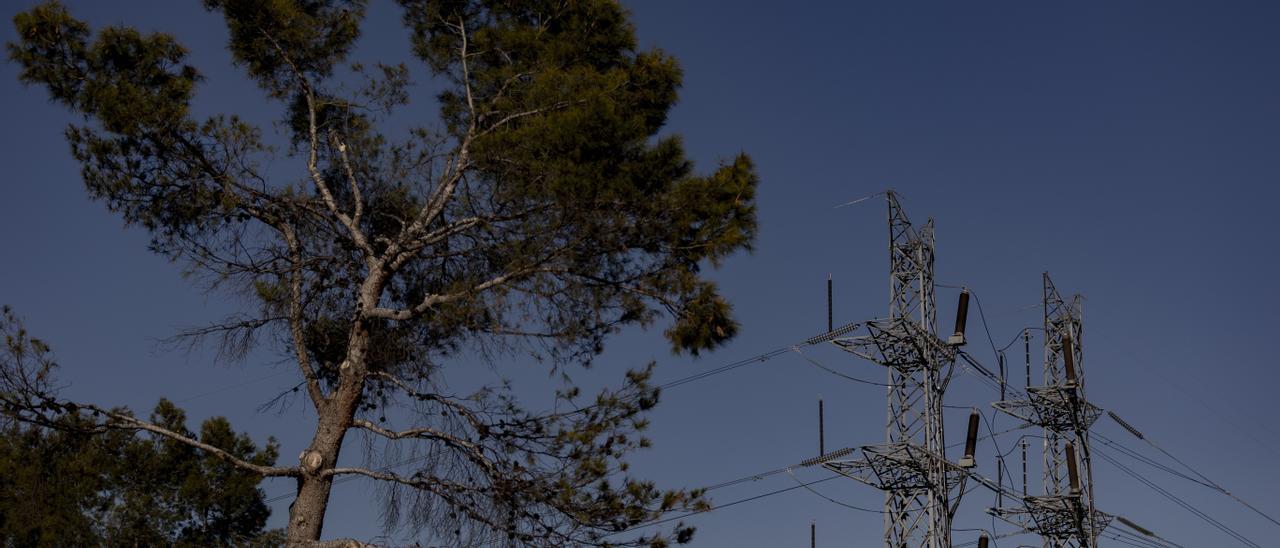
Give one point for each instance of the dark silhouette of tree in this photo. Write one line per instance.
(537, 214)
(70, 485)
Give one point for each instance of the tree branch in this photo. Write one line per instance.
(134, 423)
(463, 410)
(433, 300)
(295, 319)
(35, 408)
(356, 196)
(459, 165)
(474, 453)
(313, 153)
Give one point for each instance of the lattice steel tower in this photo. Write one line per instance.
(1064, 516)
(910, 466)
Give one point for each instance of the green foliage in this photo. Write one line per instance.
(569, 113)
(128, 81)
(118, 489)
(538, 212)
(275, 38)
(557, 109)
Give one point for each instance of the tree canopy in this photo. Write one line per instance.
(117, 489)
(538, 211)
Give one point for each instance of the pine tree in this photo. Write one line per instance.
(536, 214)
(66, 484)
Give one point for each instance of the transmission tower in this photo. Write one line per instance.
(1064, 516)
(910, 466)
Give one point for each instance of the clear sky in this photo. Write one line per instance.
(1129, 148)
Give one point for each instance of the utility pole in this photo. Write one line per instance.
(1065, 515)
(910, 466)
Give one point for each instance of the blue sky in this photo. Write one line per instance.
(1127, 148)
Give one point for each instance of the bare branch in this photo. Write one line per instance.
(444, 489)
(405, 252)
(526, 113)
(466, 69)
(436, 299)
(356, 196)
(296, 320)
(463, 410)
(308, 91)
(459, 164)
(435, 485)
(122, 421)
(472, 451)
(235, 335)
(313, 169)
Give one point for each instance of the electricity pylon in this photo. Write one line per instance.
(1064, 516)
(910, 466)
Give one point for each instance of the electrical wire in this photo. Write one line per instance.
(758, 358)
(981, 314)
(1146, 539)
(815, 363)
(1235, 424)
(858, 508)
(831, 500)
(241, 384)
(726, 505)
(991, 535)
(1203, 480)
(766, 356)
(983, 374)
(985, 436)
(1131, 453)
(860, 200)
(1019, 336)
(803, 464)
(1174, 498)
(980, 371)
(1121, 540)
(810, 462)
(745, 479)
(763, 357)
(999, 383)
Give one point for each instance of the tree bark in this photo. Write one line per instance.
(336, 414)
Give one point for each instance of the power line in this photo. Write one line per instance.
(766, 356)
(991, 535)
(728, 504)
(1140, 543)
(1145, 536)
(802, 464)
(815, 363)
(1206, 481)
(1146, 460)
(831, 500)
(758, 358)
(1174, 498)
(1222, 415)
(1017, 337)
(241, 384)
(763, 357)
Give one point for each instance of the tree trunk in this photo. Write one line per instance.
(336, 413)
(306, 514)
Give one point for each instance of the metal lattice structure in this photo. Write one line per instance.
(910, 466)
(1065, 516)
